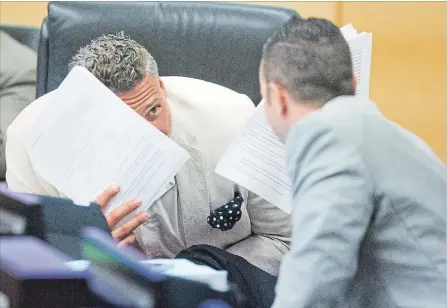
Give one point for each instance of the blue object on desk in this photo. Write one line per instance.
(34, 274)
(20, 214)
(109, 261)
(101, 249)
(119, 269)
(56, 220)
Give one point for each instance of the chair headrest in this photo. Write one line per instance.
(217, 42)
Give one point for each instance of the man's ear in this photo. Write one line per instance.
(354, 79)
(279, 98)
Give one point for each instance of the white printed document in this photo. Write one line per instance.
(360, 45)
(87, 139)
(256, 159)
(215, 279)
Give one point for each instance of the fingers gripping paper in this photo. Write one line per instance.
(256, 160)
(87, 139)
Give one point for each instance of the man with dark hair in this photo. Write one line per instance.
(368, 196)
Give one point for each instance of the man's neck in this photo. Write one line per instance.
(299, 111)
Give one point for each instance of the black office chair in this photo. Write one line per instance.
(28, 36)
(217, 42)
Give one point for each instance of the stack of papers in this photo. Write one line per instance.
(256, 159)
(183, 268)
(86, 139)
(360, 45)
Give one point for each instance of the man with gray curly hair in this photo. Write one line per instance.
(203, 118)
(117, 60)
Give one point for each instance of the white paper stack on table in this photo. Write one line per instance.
(217, 280)
(256, 159)
(86, 139)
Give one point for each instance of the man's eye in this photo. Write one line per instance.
(154, 111)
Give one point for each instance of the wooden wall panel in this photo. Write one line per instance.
(408, 78)
(23, 13)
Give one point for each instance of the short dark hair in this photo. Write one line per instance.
(310, 58)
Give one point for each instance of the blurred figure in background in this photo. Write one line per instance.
(17, 84)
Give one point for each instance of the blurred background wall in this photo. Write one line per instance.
(408, 76)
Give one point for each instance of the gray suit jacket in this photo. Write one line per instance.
(369, 210)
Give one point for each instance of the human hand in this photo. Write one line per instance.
(123, 234)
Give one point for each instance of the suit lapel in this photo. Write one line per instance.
(191, 180)
(194, 198)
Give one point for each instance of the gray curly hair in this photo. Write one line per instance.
(116, 60)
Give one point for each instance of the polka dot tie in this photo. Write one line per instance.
(225, 217)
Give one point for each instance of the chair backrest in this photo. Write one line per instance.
(28, 36)
(217, 42)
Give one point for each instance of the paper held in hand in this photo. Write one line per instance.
(256, 159)
(360, 45)
(86, 139)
